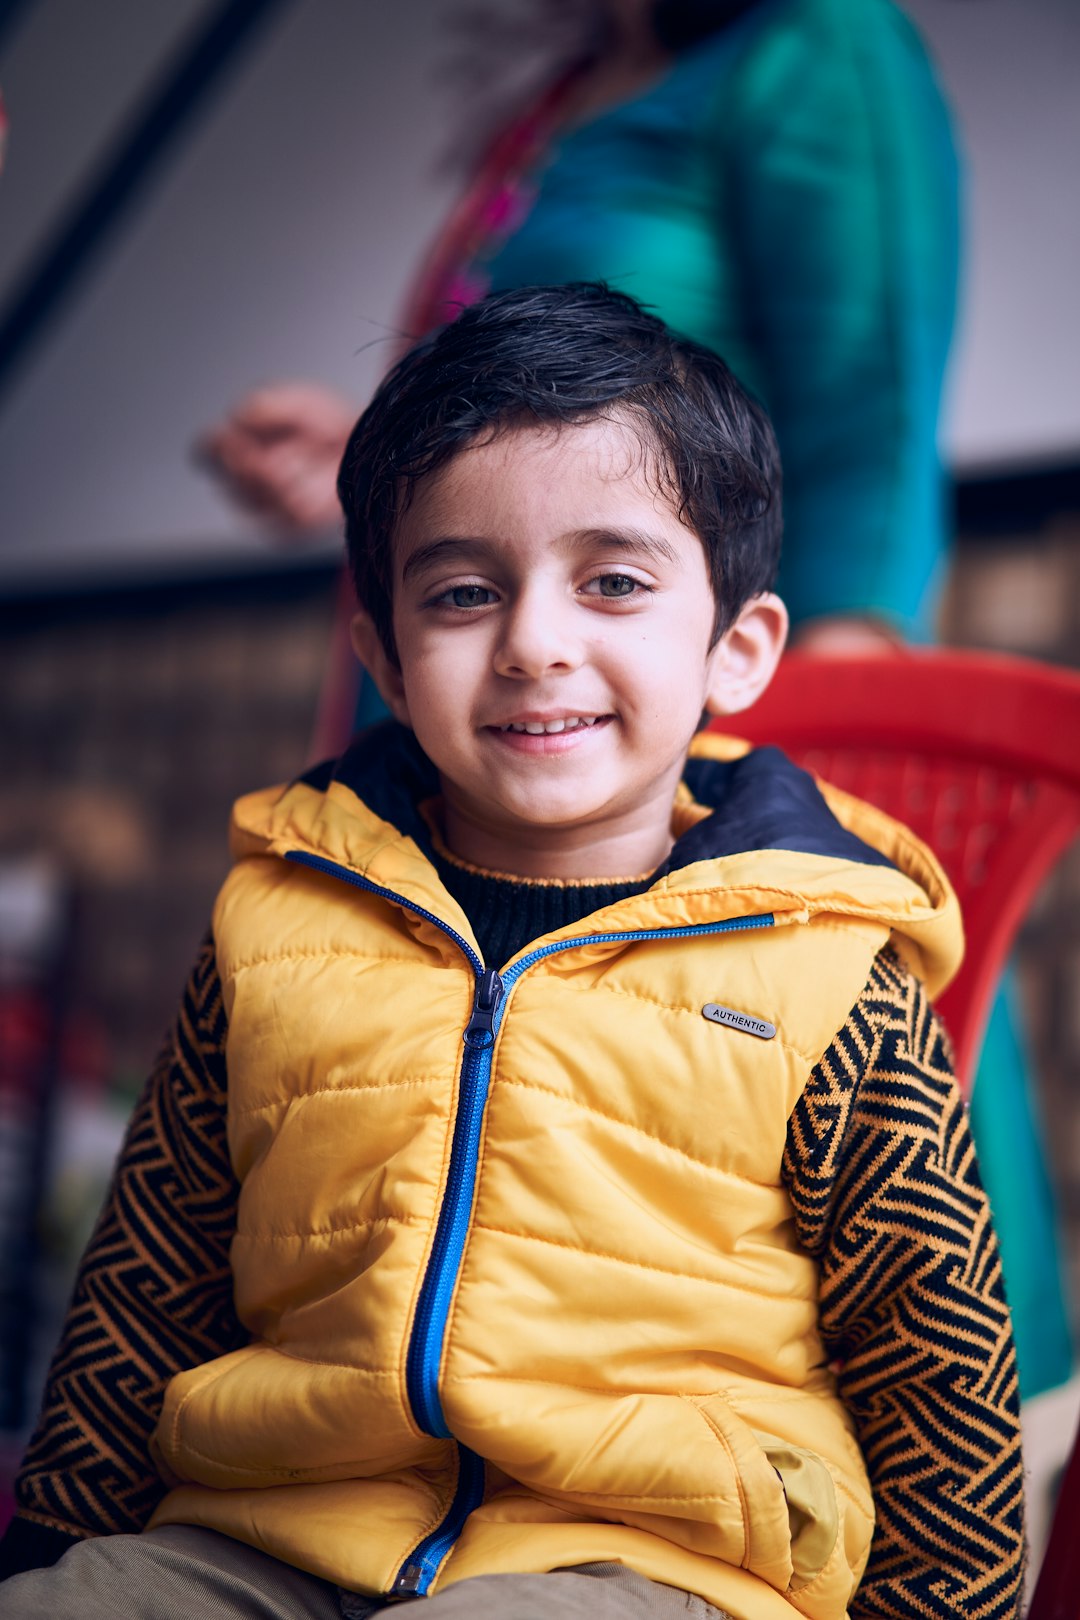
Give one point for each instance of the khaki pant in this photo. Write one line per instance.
(183, 1573)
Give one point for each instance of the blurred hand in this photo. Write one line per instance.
(278, 452)
(836, 637)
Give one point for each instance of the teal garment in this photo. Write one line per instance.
(1012, 1162)
(787, 195)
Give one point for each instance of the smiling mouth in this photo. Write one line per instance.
(551, 728)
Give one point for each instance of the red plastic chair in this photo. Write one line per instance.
(980, 755)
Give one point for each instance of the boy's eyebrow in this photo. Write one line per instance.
(443, 550)
(449, 547)
(633, 541)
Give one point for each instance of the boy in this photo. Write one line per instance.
(588, 1174)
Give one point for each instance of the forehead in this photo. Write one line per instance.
(544, 478)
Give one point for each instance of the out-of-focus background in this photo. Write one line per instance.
(207, 194)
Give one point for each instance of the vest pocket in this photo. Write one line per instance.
(789, 1502)
(813, 1514)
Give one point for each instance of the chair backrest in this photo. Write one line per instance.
(980, 755)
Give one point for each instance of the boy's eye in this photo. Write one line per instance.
(616, 585)
(468, 596)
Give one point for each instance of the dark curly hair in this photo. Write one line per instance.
(569, 354)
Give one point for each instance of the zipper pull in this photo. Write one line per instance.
(480, 1030)
(407, 1584)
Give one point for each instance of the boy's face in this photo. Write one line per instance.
(553, 619)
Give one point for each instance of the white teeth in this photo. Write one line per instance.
(537, 728)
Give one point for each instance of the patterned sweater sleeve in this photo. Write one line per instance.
(882, 1175)
(153, 1295)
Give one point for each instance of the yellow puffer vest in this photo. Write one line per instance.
(533, 1298)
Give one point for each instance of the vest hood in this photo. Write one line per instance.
(753, 833)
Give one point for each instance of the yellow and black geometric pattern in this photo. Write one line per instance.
(154, 1290)
(882, 1173)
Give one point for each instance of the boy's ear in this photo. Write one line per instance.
(368, 647)
(744, 660)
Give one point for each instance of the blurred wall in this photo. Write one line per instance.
(276, 241)
(1010, 67)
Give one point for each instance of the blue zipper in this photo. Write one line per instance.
(319, 863)
(415, 1576)
(424, 1354)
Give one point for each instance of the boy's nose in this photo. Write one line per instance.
(539, 636)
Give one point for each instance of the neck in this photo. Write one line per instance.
(594, 852)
